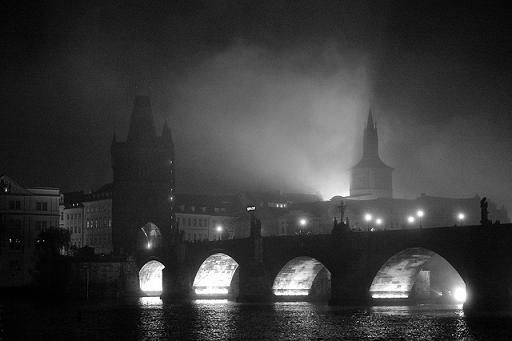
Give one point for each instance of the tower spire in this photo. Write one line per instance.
(370, 123)
(371, 178)
(142, 127)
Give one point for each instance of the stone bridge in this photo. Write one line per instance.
(359, 268)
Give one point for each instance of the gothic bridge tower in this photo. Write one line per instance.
(370, 177)
(143, 187)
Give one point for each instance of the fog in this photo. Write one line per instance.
(267, 96)
(288, 121)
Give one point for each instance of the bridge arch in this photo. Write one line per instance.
(150, 278)
(418, 274)
(217, 276)
(303, 277)
(149, 237)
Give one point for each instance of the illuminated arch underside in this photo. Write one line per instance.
(215, 275)
(396, 277)
(150, 277)
(296, 277)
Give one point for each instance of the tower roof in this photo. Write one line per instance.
(370, 124)
(370, 158)
(142, 127)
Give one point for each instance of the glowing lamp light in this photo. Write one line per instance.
(368, 217)
(461, 216)
(251, 208)
(410, 219)
(149, 245)
(303, 221)
(378, 221)
(420, 213)
(219, 228)
(459, 294)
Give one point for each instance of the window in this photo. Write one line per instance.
(42, 206)
(18, 204)
(11, 205)
(41, 225)
(61, 215)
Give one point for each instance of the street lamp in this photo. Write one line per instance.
(460, 217)
(410, 219)
(302, 223)
(219, 230)
(378, 221)
(368, 218)
(420, 215)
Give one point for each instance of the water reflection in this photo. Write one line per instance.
(150, 318)
(152, 321)
(150, 301)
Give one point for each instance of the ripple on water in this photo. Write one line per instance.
(150, 318)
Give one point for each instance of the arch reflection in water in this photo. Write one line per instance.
(419, 274)
(215, 275)
(150, 278)
(298, 276)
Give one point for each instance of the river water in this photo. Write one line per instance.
(149, 318)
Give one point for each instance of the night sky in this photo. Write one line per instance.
(262, 95)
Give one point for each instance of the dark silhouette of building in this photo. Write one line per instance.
(143, 188)
(370, 177)
(24, 214)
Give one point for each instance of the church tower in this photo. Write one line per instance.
(143, 187)
(370, 177)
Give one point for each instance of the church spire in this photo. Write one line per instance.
(370, 124)
(371, 140)
(142, 127)
(371, 178)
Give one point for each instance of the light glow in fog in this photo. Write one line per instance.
(459, 294)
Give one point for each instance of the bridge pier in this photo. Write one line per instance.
(488, 293)
(254, 284)
(348, 290)
(176, 284)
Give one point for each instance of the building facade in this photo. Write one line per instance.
(88, 218)
(72, 217)
(24, 213)
(97, 208)
(207, 217)
(143, 188)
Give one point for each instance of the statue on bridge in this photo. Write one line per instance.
(342, 226)
(484, 213)
(255, 226)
